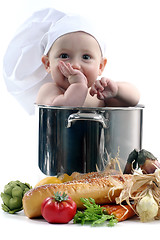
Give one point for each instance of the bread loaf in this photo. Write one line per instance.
(80, 176)
(96, 188)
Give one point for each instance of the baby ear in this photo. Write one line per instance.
(102, 65)
(45, 61)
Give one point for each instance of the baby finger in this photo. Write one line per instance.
(100, 96)
(104, 81)
(99, 86)
(64, 69)
(70, 69)
(93, 91)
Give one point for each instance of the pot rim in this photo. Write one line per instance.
(137, 107)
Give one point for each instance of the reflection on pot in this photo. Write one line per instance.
(84, 139)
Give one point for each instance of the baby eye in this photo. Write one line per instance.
(64, 55)
(86, 57)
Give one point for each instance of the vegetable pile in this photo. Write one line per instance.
(140, 193)
(62, 209)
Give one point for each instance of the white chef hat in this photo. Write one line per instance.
(24, 72)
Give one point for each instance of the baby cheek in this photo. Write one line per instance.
(55, 73)
(91, 77)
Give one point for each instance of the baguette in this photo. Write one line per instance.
(97, 188)
(80, 176)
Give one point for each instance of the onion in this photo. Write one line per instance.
(147, 161)
(147, 207)
(150, 166)
(142, 159)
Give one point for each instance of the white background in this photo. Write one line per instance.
(131, 29)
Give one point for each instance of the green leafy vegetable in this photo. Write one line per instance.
(93, 214)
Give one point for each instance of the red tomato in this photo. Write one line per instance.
(58, 209)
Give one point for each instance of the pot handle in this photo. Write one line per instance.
(89, 117)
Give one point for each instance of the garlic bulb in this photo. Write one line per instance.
(147, 207)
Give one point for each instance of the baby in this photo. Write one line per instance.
(75, 61)
(73, 58)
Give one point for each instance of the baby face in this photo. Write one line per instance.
(82, 51)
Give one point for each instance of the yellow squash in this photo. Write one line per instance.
(48, 180)
(65, 178)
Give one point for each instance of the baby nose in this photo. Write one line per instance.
(75, 65)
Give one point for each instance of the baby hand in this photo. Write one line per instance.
(73, 75)
(104, 88)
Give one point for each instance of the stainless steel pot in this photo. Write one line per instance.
(79, 139)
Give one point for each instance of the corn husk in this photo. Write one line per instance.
(137, 188)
